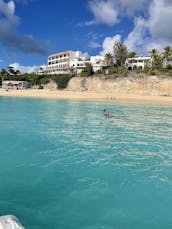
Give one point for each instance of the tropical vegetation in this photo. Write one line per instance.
(161, 63)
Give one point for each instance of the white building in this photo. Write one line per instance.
(70, 62)
(16, 85)
(138, 62)
(167, 63)
(66, 62)
(98, 62)
(42, 70)
(59, 63)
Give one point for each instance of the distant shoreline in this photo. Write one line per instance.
(88, 96)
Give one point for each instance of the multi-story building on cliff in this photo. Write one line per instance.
(71, 62)
(138, 62)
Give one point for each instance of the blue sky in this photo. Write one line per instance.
(30, 30)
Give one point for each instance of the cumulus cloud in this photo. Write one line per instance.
(108, 44)
(110, 12)
(130, 7)
(160, 19)
(138, 37)
(151, 23)
(24, 69)
(103, 12)
(9, 36)
(153, 32)
(7, 9)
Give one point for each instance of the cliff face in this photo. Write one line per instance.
(140, 85)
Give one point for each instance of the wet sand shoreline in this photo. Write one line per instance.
(88, 96)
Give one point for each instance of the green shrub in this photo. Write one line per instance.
(169, 67)
(122, 71)
(98, 72)
(62, 80)
(169, 72)
(84, 73)
(152, 72)
(146, 69)
(88, 70)
(112, 70)
(45, 80)
(40, 87)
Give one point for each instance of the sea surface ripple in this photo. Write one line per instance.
(64, 164)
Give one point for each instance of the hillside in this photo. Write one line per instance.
(136, 84)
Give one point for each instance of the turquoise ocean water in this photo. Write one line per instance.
(64, 165)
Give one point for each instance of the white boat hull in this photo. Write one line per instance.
(10, 222)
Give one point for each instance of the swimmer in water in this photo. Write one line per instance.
(108, 115)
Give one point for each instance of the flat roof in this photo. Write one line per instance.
(61, 53)
(139, 57)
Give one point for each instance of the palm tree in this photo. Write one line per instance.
(120, 53)
(157, 60)
(132, 54)
(18, 72)
(88, 70)
(11, 70)
(109, 59)
(14, 73)
(4, 74)
(154, 53)
(167, 55)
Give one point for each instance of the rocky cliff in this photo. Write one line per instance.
(137, 84)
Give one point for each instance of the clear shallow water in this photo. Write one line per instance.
(63, 165)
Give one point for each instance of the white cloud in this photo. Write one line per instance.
(94, 44)
(108, 44)
(151, 19)
(153, 32)
(8, 10)
(110, 12)
(160, 19)
(24, 69)
(11, 8)
(9, 36)
(137, 38)
(131, 6)
(104, 12)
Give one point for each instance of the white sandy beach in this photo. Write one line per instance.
(94, 96)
